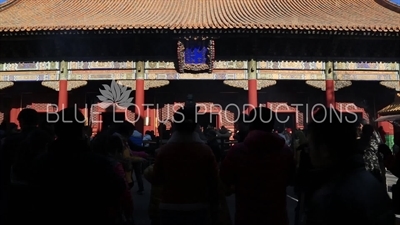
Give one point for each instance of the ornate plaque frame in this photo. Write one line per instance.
(210, 56)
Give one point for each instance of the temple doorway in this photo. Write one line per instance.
(206, 119)
(110, 118)
(286, 120)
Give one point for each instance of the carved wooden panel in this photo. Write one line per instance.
(232, 64)
(366, 75)
(366, 66)
(101, 74)
(87, 65)
(29, 66)
(29, 75)
(291, 65)
(159, 65)
(291, 74)
(216, 75)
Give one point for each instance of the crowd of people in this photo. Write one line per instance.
(59, 174)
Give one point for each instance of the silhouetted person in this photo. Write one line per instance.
(47, 127)
(284, 134)
(33, 146)
(304, 184)
(212, 142)
(112, 147)
(28, 120)
(126, 130)
(12, 129)
(242, 128)
(20, 195)
(346, 193)
(201, 134)
(260, 168)
(162, 128)
(3, 129)
(136, 137)
(88, 133)
(147, 138)
(369, 149)
(186, 169)
(71, 184)
(152, 135)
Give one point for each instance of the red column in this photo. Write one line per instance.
(387, 127)
(14, 115)
(99, 125)
(330, 93)
(252, 89)
(139, 102)
(63, 95)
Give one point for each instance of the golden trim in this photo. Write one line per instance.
(244, 83)
(6, 84)
(391, 84)
(393, 108)
(71, 84)
(320, 84)
(147, 83)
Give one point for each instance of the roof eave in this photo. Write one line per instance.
(385, 113)
(8, 4)
(388, 4)
(128, 30)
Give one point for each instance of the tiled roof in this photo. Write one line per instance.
(341, 15)
(391, 109)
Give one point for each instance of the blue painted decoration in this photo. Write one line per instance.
(396, 2)
(196, 55)
(195, 52)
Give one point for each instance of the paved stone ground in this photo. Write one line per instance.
(142, 202)
(390, 180)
